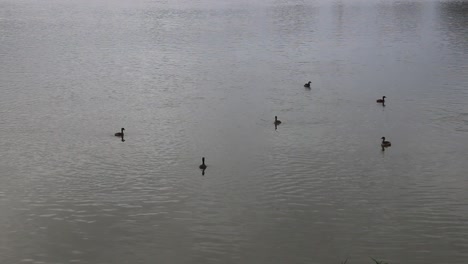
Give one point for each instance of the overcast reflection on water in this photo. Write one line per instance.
(205, 79)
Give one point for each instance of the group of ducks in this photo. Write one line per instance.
(384, 144)
(202, 166)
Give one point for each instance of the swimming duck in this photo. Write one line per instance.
(385, 144)
(120, 134)
(381, 100)
(203, 166)
(277, 122)
(307, 85)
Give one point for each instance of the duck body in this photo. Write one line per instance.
(381, 100)
(203, 166)
(277, 122)
(385, 144)
(307, 85)
(121, 133)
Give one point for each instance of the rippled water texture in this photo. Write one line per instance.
(188, 79)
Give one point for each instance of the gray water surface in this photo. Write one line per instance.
(189, 79)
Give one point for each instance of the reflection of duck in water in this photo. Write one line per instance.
(382, 101)
(307, 85)
(121, 133)
(277, 122)
(385, 144)
(203, 166)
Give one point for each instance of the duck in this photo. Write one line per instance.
(307, 85)
(385, 144)
(203, 166)
(121, 133)
(277, 122)
(381, 100)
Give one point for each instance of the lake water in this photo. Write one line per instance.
(191, 79)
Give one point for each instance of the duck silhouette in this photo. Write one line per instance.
(277, 122)
(382, 101)
(385, 144)
(203, 166)
(121, 133)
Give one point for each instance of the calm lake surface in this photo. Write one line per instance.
(188, 79)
